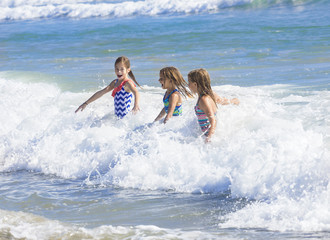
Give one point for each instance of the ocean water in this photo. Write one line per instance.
(88, 175)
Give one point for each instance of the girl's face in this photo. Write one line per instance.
(192, 86)
(166, 83)
(121, 71)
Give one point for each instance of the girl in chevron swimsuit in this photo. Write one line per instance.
(171, 79)
(123, 90)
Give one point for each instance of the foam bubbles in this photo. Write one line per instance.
(310, 213)
(37, 9)
(269, 148)
(24, 225)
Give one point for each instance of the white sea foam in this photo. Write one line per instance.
(36, 9)
(273, 147)
(48, 9)
(309, 213)
(17, 225)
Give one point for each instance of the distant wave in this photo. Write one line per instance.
(77, 9)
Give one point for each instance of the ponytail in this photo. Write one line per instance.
(133, 78)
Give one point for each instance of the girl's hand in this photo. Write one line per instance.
(166, 120)
(207, 139)
(135, 109)
(222, 101)
(234, 101)
(81, 107)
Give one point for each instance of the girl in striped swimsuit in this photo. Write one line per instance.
(199, 83)
(171, 79)
(123, 90)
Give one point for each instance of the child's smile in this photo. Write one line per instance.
(121, 71)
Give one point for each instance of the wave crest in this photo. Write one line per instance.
(77, 9)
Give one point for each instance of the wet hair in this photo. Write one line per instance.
(124, 60)
(174, 74)
(202, 78)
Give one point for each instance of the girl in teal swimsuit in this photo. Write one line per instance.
(171, 79)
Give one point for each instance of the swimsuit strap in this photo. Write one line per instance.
(118, 88)
(168, 96)
(178, 109)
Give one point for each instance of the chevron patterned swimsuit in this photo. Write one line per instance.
(123, 101)
(177, 110)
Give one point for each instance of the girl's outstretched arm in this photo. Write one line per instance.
(225, 101)
(234, 101)
(96, 95)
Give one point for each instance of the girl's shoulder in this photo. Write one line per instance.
(112, 84)
(130, 86)
(206, 104)
(129, 83)
(175, 94)
(205, 100)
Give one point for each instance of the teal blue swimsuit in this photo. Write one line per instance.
(177, 110)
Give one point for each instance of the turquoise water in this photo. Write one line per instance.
(279, 44)
(90, 176)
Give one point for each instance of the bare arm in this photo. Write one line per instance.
(220, 100)
(96, 95)
(160, 115)
(172, 103)
(225, 101)
(234, 101)
(209, 108)
(136, 94)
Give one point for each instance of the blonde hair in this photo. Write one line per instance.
(124, 60)
(174, 74)
(202, 78)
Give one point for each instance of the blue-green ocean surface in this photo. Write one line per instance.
(265, 175)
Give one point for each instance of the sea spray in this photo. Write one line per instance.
(257, 151)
